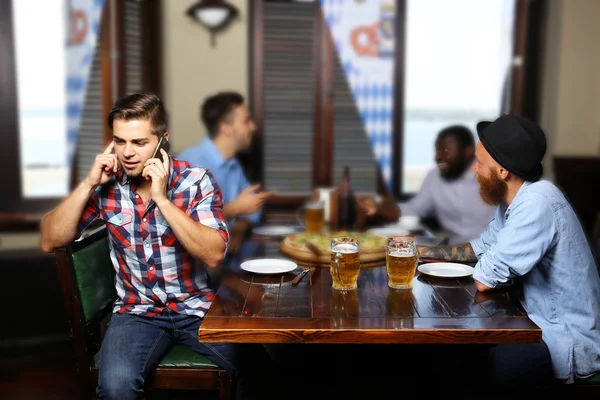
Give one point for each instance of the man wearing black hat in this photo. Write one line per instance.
(536, 241)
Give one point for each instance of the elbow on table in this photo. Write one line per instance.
(481, 287)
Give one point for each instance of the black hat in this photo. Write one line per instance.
(516, 143)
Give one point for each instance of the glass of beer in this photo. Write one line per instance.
(314, 217)
(344, 308)
(401, 261)
(345, 265)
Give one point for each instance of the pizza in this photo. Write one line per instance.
(371, 247)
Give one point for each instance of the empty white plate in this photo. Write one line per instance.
(273, 230)
(446, 270)
(269, 266)
(389, 231)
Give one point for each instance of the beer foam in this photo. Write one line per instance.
(400, 252)
(314, 206)
(345, 248)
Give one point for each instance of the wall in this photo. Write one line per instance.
(22, 240)
(192, 69)
(571, 79)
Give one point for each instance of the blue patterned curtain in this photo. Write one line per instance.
(363, 33)
(84, 26)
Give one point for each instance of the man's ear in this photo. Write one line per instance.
(503, 173)
(166, 135)
(225, 129)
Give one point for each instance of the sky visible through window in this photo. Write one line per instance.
(458, 56)
(40, 39)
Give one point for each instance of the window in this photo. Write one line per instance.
(42, 100)
(457, 61)
(32, 77)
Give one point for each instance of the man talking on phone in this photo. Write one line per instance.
(165, 221)
(230, 130)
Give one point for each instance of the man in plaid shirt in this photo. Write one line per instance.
(164, 219)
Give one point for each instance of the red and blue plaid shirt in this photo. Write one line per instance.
(153, 269)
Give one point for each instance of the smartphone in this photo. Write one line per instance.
(163, 143)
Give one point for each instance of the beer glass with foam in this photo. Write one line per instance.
(345, 264)
(401, 261)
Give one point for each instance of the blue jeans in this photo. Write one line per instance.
(134, 345)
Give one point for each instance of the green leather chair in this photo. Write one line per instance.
(87, 280)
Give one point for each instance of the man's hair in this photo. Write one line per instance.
(217, 108)
(144, 106)
(461, 133)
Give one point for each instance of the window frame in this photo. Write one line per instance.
(524, 95)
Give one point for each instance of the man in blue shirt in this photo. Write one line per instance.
(536, 240)
(230, 130)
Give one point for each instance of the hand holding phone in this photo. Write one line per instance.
(163, 143)
(158, 172)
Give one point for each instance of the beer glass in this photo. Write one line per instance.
(344, 307)
(401, 261)
(345, 265)
(314, 217)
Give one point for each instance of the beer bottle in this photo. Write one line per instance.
(346, 203)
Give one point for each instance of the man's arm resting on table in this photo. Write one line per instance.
(59, 227)
(458, 253)
(481, 287)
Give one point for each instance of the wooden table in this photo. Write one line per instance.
(268, 309)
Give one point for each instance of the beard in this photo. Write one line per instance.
(135, 175)
(492, 189)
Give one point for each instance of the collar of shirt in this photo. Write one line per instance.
(516, 199)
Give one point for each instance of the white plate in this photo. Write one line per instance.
(389, 231)
(446, 270)
(273, 230)
(269, 266)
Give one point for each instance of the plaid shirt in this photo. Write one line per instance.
(153, 269)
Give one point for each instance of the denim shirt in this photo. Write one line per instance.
(228, 173)
(539, 242)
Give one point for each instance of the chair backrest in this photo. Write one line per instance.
(94, 275)
(86, 277)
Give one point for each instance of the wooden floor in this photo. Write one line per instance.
(47, 373)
